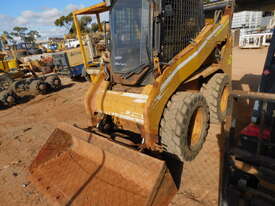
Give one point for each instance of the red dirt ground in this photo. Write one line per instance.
(25, 128)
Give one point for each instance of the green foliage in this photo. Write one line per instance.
(23, 33)
(19, 31)
(67, 22)
(32, 36)
(94, 27)
(84, 22)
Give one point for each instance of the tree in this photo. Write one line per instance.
(67, 22)
(84, 22)
(94, 27)
(32, 36)
(19, 32)
(23, 34)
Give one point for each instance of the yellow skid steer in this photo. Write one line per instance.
(165, 77)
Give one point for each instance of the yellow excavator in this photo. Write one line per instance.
(165, 76)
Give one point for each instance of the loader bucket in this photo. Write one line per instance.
(75, 167)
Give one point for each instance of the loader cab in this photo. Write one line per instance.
(143, 29)
(131, 38)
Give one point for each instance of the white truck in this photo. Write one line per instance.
(72, 43)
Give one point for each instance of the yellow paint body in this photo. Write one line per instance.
(6, 65)
(145, 108)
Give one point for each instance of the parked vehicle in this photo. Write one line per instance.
(72, 43)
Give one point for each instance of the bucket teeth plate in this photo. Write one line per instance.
(78, 168)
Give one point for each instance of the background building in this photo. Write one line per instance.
(256, 20)
(253, 22)
(247, 19)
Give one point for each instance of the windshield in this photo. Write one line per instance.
(130, 35)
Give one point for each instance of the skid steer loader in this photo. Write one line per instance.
(169, 66)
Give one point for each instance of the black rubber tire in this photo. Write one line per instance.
(18, 87)
(5, 81)
(54, 81)
(175, 124)
(213, 91)
(38, 87)
(7, 98)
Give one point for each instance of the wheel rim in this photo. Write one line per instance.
(224, 99)
(195, 127)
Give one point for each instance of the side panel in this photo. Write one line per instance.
(187, 63)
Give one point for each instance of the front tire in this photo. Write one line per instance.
(185, 124)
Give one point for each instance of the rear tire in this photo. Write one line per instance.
(7, 98)
(38, 87)
(216, 92)
(54, 81)
(185, 124)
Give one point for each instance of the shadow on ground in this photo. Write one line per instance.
(248, 82)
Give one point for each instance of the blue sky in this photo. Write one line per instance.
(38, 14)
(17, 6)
